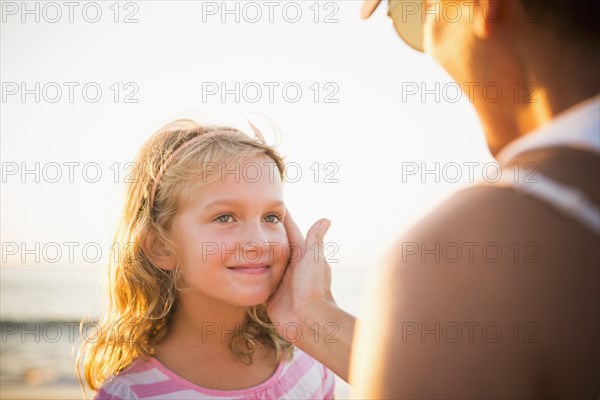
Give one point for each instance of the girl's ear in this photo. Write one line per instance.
(156, 253)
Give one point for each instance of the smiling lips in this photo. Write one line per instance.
(250, 268)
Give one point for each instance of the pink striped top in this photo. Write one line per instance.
(302, 377)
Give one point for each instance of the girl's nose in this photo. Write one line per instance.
(255, 240)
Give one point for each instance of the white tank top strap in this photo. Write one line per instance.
(575, 128)
(565, 199)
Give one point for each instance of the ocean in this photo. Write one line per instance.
(40, 310)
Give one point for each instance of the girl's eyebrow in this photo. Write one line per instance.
(237, 203)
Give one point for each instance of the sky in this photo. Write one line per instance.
(361, 116)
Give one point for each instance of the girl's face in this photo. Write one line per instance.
(230, 236)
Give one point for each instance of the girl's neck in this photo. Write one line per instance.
(203, 328)
(197, 347)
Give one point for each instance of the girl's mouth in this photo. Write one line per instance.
(252, 269)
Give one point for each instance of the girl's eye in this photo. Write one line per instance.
(273, 218)
(224, 218)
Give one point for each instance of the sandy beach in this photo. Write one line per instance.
(43, 392)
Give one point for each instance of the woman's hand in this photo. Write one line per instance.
(306, 283)
(303, 309)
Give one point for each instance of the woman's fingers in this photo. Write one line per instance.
(292, 229)
(294, 234)
(315, 238)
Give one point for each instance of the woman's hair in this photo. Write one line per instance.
(576, 20)
(143, 297)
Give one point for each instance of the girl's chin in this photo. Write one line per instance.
(250, 300)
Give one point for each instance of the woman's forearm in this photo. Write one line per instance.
(327, 333)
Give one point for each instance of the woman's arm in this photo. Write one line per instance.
(327, 337)
(303, 308)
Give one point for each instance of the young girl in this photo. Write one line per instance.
(203, 223)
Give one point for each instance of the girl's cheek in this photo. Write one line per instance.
(222, 236)
(280, 237)
(217, 242)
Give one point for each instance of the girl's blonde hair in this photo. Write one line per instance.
(142, 296)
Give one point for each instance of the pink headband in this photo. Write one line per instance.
(193, 140)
